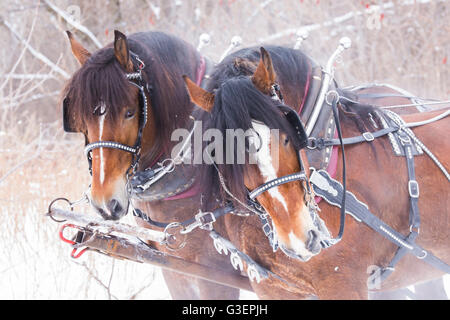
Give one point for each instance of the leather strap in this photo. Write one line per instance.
(365, 137)
(332, 191)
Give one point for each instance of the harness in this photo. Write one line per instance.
(336, 194)
(154, 183)
(137, 80)
(327, 188)
(322, 184)
(332, 191)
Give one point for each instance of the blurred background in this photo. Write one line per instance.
(401, 42)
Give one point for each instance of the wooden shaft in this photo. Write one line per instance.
(117, 247)
(85, 219)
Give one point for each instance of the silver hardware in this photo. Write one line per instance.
(253, 273)
(411, 229)
(423, 256)
(344, 44)
(333, 93)
(171, 240)
(302, 35)
(313, 144)
(368, 136)
(199, 222)
(204, 40)
(220, 247)
(236, 41)
(404, 139)
(413, 189)
(236, 261)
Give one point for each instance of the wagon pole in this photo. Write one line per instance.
(111, 226)
(117, 247)
(132, 249)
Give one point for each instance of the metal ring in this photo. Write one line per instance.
(171, 239)
(424, 255)
(328, 94)
(313, 143)
(171, 165)
(51, 205)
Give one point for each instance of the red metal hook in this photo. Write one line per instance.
(61, 236)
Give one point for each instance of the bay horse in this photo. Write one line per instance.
(240, 95)
(105, 100)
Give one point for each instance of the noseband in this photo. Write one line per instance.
(136, 79)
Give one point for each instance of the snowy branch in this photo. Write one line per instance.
(36, 53)
(30, 76)
(74, 23)
(334, 21)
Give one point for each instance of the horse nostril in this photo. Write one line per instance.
(114, 208)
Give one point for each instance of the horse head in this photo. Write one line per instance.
(107, 107)
(251, 102)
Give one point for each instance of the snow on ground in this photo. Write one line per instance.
(35, 264)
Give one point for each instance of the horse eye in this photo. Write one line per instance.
(286, 141)
(129, 114)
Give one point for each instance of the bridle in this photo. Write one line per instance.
(137, 80)
(294, 120)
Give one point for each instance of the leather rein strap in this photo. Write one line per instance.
(334, 193)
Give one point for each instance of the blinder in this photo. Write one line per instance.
(291, 116)
(67, 122)
(294, 120)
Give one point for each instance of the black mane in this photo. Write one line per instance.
(238, 102)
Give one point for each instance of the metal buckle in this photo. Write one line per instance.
(200, 222)
(414, 229)
(368, 136)
(404, 139)
(413, 189)
(205, 224)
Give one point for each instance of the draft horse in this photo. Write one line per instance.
(245, 92)
(126, 99)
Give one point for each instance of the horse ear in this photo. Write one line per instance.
(199, 96)
(121, 51)
(264, 76)
(77, 49)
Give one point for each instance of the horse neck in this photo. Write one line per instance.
(296, 91)
(175, 104)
